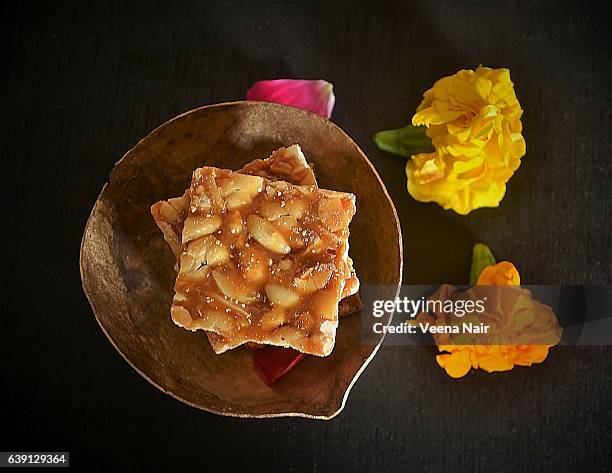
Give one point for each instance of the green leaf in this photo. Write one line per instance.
(404, 141)
(481, 258)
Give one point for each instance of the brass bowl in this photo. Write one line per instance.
(127, 268)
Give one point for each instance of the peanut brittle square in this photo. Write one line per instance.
(263, 261)
(287, 164)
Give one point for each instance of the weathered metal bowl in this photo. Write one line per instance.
(127, 268)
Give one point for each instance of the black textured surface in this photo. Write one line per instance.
(80, 84)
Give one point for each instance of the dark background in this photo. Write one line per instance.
(81, 83)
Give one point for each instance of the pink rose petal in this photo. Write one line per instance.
(274, 362)
(314, 95)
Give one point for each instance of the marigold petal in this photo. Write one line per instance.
(456, 364)
(501, 274)
(494, 363)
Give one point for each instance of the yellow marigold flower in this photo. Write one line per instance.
(473, 119)
(459, 359)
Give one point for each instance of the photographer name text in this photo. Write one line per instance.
(424, 327)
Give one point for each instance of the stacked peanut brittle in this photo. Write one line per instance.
(262, 255)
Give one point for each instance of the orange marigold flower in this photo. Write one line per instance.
(518, 315)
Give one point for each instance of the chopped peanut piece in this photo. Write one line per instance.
(267, 235)
(282, 296)
(200, 226)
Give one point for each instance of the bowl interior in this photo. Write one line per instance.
(127, 268)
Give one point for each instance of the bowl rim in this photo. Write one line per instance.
(365, 363)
